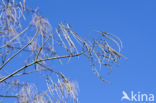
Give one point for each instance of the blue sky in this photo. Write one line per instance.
(131, 20)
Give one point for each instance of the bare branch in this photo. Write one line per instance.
(39, 43)
(19, 51)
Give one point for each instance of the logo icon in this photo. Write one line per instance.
(125, 96)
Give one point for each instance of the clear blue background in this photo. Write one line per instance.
(134, 21)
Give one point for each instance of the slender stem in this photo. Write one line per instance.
(42, 47)
(19, 50)
(7, 96)
(60, 57)
(22, 68)
(16, 37)
(12, 74)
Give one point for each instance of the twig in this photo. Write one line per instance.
(19, 51)
(8, 96)
(22, 68)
